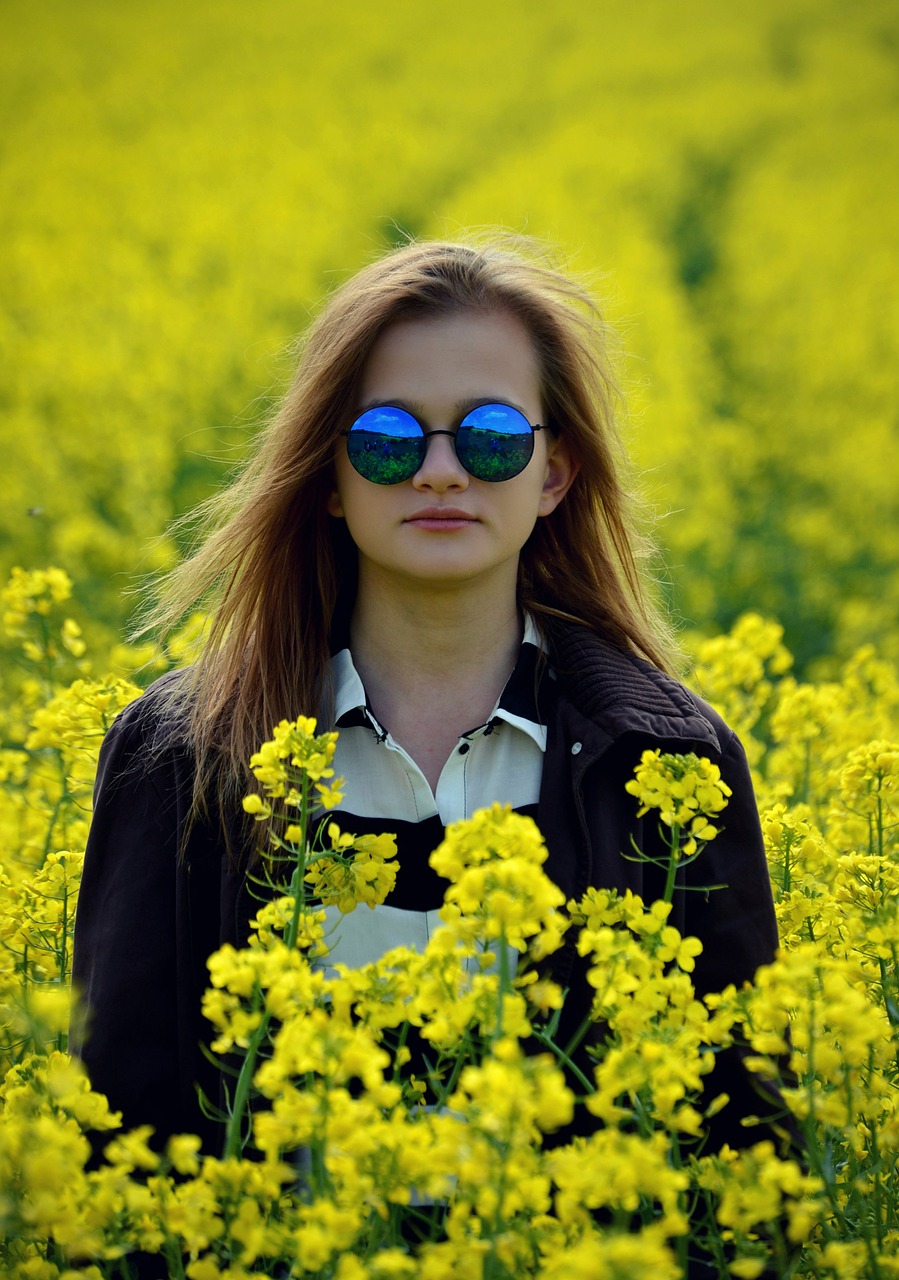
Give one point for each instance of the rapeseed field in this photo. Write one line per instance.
(317, 1057)
(183, 186)
(185, 183)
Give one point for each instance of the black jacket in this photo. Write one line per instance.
(148, 919)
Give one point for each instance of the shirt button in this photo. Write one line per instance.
(464, 748)
(576, 748)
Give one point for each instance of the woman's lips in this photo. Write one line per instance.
(441, 519)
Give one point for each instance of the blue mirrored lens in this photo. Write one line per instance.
(386, 445)
(494, 442)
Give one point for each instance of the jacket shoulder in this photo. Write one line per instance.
(157, 718)
(622, 693)
(147, 740)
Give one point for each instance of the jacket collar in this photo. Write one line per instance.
(620, 693)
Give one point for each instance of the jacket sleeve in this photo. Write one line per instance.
(723, 898)
(130, 968)
(736, 923)
(738, 930)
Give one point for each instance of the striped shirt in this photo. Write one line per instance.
(500, 760)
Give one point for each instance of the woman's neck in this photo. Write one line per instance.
(434, 664)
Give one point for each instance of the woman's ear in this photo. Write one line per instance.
(561, 470)
(335, 506)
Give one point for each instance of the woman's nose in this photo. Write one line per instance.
(441, 469)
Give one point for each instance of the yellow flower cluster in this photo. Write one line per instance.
(686, 791)
(294, 757)
(498, 889)
(659, 1031)
(293, 746)
(294, 769)
(34, 592)
(358, 869)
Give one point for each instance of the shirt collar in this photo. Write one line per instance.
(517, 704)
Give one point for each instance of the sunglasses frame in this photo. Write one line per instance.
(426, 436)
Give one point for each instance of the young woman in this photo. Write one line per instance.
(432, 550)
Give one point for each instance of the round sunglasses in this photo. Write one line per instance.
(493, 442)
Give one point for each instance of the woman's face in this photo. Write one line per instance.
(443, 527)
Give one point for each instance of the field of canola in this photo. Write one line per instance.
(321, 1058)
(185, 183)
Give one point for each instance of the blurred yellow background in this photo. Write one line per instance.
(185, 182)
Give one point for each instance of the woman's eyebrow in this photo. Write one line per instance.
(393, 402)
(460, 408)
(474, 402)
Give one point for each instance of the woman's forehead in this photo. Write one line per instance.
(452, 359)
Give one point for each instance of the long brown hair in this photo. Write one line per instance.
(272, 567)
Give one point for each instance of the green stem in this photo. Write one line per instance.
(505, 984)
(788, 870)
(879, 818)
(298, 880)
(444, 1092)
(235, 1140)
(51, 825)
(575, 1040)
(62, 1038)
(673, 846)
(548, 1043)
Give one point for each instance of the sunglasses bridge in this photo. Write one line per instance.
(426, 435)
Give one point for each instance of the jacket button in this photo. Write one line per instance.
(576, 747)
